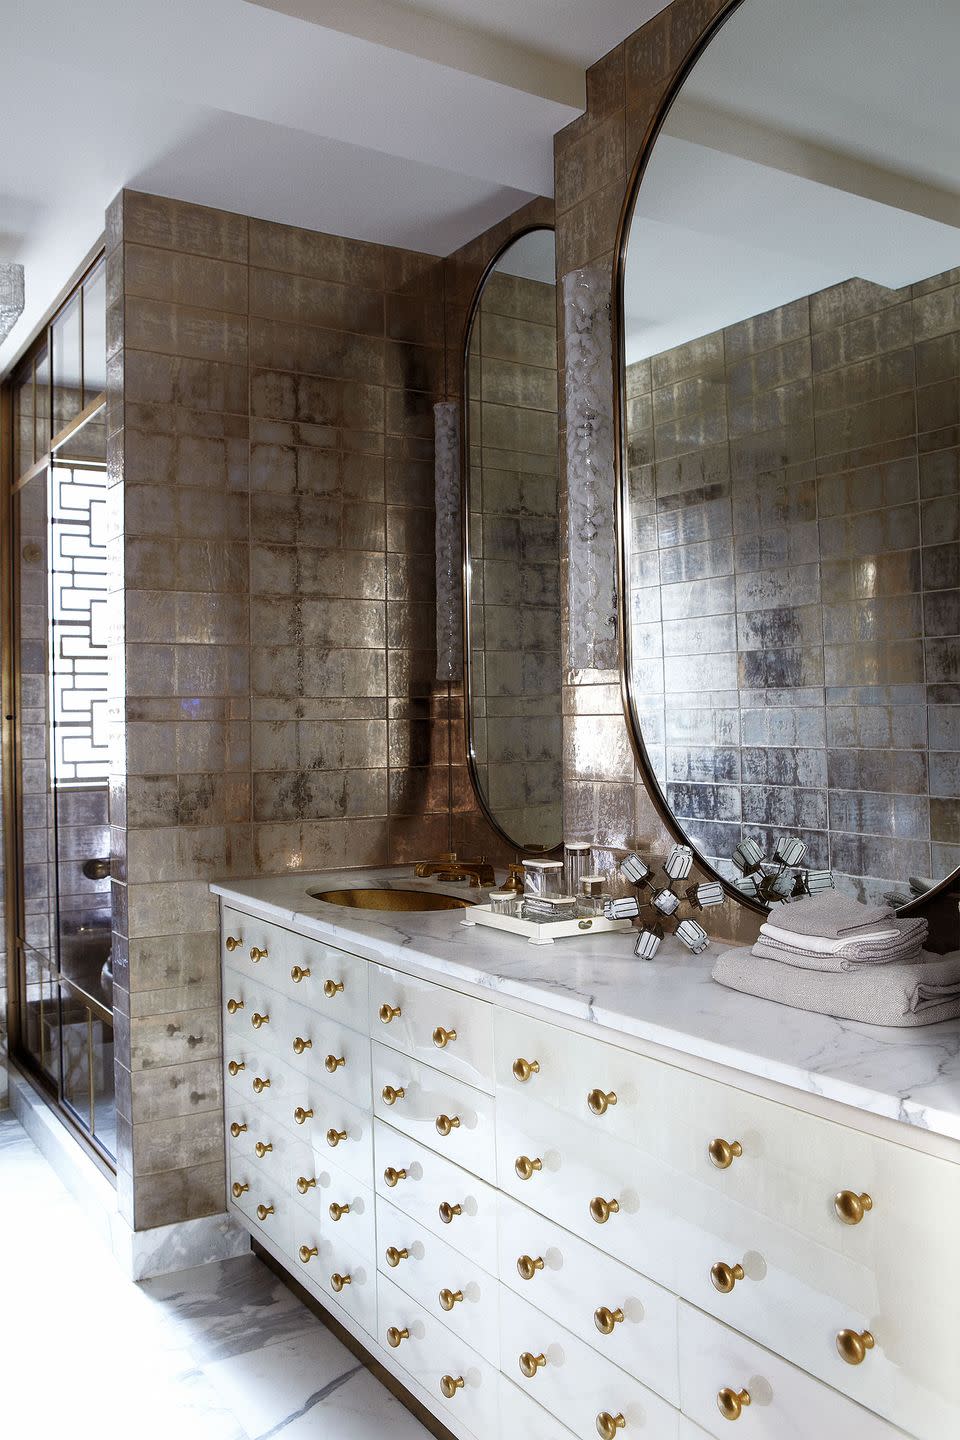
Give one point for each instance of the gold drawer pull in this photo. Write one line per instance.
(530, 1364)
(607, 1320)
(447, 1211)
(388, 1013)
(391, 1095)
(851, 1207)
(608, 1425)
(337, 1212)
(260, 1083)
(262, 1147)
(853, 1345)
(723, 1153)
(449, 1385)
(335, 1136)
(723, 1277)
(393, 1177)
(395, 1336)
(307, 1252)
(301, 1116)
(303, 1184)
(331, 987)
(299, 1045)
(394, 1256)
(442, 1038)
(523, 1069)
(527, 1168)
(298, 973)
(338, 1281)
(236, 1066)
(527, 1266)
(264, 1210)
(256, 954)
(257, 1020)
(239, 1188)
(232, 943)
(446, 1123)
(333, 1063)
(236, 1129)
(601, 1210)
(449, 1298)
(731, 1402)
(233, 1006)
(598, 1101)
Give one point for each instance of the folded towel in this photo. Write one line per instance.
(818, 944)
(902, 944)
(832, 915)
(918, 994)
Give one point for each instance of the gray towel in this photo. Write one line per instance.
(904, 948)
(831, 915)
(919, 994)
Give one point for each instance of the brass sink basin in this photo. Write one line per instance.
(372, 899)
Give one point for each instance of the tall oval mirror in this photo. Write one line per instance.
(789, 291)
(512, 544)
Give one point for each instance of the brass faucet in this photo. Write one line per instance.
(450, 867)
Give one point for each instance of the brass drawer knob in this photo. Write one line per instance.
(256, 954)
(257, 1020)
(236, 1066)
(338, 1281)
(446, 1123)
(239, 1188)
(599, 1101)
(262, 1147)
(442, 1038)
(264, 1210)
(303, 1184)
(388, 1013)
(333, 1063)
(601, 1210)
(449, 1385)
(395, 1336)
(393, 1177)
(731, 1402)
(723, 1277)
(608, 1425)
(723, 1153)
(530, 1364)
(527, 1168)
(449, 1298)
(606, 1320)
(331, 988)
(391, 1095)
(261, 1083)
(301, 1116)
(233, 1006)
(854, 1344)
(232, 943)
(337, 1212)
(851, 1207)
(307, 1253)
(297, 974)
(447, 1211)
(299, 1045)
(335, 1136)
(394, 1256)
(527, 1266)
(236, 1129)
(523, 1069)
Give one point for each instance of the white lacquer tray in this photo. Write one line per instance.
(543, 934)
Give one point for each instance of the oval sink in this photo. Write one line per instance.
(368, 898)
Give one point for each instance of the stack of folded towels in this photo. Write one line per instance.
(830, 954)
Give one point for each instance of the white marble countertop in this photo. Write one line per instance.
(909, 1075)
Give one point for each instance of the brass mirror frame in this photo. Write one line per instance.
(471, 316)
(652, 785)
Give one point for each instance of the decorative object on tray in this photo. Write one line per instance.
(543, 930)
(781, 879)
(659, 905)
(543, 912)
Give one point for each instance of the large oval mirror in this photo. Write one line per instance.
(512, 541)
(789, 293)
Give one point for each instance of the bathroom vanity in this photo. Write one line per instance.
(567, 1193)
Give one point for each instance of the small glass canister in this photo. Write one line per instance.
(542, 878)
(545, 909)
(576, 863)
(505, 902)
(592, 896)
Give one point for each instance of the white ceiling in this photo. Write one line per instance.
(409, 124)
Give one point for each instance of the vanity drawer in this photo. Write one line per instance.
(327, 980)
(262, 1083)
(248, 1004)
(426, 1186)
(572, 1381)
(522, 1416)
(446, 1114)
(439, 1361)
(784, 1403)
(566, 1278)
(333, 1186)
(265, 1147)
(338, 1271)
(264, 1200)
(432, 1269)
(260, 953)
(334, 1128)
(447, 1030)
(323, 1049)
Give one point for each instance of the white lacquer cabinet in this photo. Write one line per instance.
(546, 1232)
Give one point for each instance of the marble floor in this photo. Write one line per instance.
(222, 1352)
